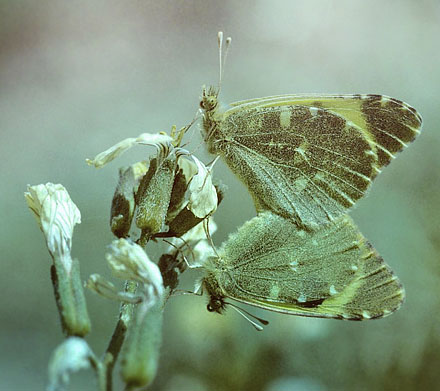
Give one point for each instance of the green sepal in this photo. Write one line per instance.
(185, 219)
(140, 354)
(177, 196)
(69, 295)
(123, 204)
(171, 267)
(154, 195)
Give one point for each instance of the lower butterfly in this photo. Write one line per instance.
(332, 272)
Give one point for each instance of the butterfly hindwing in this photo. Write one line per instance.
(332, 272)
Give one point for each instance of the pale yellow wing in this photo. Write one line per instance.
(333, 272)
(311, 158)
(388, 122)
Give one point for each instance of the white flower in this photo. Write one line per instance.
(198, 232)
(116, 150)
(71, 356)
(129, 261)
(202, 194)
(200, 249)
(56, 215)
(194, 235)
(188, 167)
(105, 288)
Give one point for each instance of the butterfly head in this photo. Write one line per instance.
(216, 304)
(211, 285)
(209, 100)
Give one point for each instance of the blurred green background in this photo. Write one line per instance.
(77, 77)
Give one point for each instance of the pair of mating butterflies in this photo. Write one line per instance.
(306, 159)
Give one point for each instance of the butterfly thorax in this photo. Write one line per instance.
(212, 116)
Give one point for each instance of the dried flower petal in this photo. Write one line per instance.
(202, 251)
(71, 356)
(198, 232)
(116, 150)
(202, 195)
(188, 167)
(56, 215)
(129, 261)
(106, 289)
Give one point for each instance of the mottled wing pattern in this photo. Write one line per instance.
(332, 272)
(312, 158)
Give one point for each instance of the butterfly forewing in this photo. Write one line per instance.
(310, 158)
(332, 272)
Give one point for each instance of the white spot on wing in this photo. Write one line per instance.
(293, 265)
(301, 151)
(302, 298)
(333, 290)
(274, 291)
(366, 315)
(319, 176)
(285, 119)
(313, 111)
(354, 267)
(300, 154)
(300, 184)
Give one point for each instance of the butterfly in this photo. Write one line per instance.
(307, 157)
(331, 272)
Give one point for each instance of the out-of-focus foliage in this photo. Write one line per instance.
(77, 77)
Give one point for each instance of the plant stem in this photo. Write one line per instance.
(118, 337)
(100, 370)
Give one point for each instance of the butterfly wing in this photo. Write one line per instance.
(389, 123)
(333, 272)
(311, 158)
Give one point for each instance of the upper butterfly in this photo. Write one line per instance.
(307, 157)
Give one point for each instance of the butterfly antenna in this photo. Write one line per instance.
(248, 316)
(208, 235)
(179, 250)
(222, 58)
(181, 292)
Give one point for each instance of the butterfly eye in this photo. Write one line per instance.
(215, 305)
(210, 308)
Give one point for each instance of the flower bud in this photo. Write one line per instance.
(154, 195)
(129, 261)
(140, 355)
(56, 215)
(123, 203)
(71, 356)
